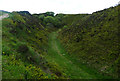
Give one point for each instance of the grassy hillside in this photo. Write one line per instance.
(3, 12)
(62, 46)
(94, 39)
(24, 42)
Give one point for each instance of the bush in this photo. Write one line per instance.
(41, 17)
(28, 53)
(23, 48)
(6, 50)
(118, 66)
(49, 25)
(49, 19)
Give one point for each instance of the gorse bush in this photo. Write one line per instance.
(24, 44)
(6, 51)
(23, 48)
(93, 38)
(30, 52)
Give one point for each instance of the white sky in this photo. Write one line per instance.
(57, 6)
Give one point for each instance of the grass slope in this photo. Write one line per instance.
(94, 38)
(69, 65)
(89, 50)
(24, 42)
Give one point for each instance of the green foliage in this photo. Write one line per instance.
(16, 69)
(41, 17)
(49, 19)
(17, 17)
(49, 25)
(50, 14)
(6, 50)
(93, 39)
(23, 49)
(24, 45)
(68, 65)
(52, 20)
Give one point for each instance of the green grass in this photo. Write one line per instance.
(71, 67)
(30, 51)
(19, 65)
(94, 39)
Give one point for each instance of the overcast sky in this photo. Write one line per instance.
(57, 6)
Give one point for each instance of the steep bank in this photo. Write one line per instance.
(24, 42)
(94, 39)
(36, 47)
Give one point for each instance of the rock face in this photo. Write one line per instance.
(4, 16)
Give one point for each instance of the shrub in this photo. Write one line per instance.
(29, 53)
(41, 17)
(49, 25)
(6, 50)
(23, 48)
(118, 66)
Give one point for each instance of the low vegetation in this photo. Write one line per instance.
(94, 39)
(61, 46)
(24, 47)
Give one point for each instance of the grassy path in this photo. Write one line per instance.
(57, 54)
